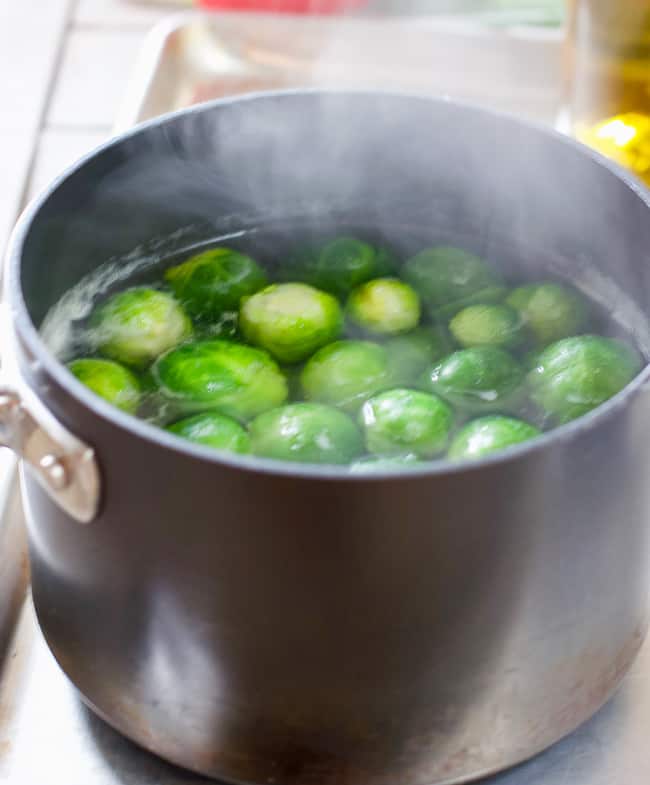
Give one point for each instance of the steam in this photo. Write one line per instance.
(434, 55)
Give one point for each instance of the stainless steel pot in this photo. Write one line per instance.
(274, 624)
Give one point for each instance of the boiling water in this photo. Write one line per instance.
(65, 329)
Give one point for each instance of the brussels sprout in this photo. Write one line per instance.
(346, 374)
(340, 265)
(575, 375)
(489, 435)
(306, 433)
(110, 381)
(550, 310)
(400, 421)
(385, 306)
(138, 325)
(380, 463)
(487, 325)
(214, 282)
(488, 296)
(214, 430)
(291, 320)
(409, 355)
(482, 379)
(444, 275)
(234, 379)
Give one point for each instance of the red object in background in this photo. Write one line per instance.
(285, 6)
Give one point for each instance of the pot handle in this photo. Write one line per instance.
(63, 465)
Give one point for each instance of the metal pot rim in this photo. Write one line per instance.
(30, 335)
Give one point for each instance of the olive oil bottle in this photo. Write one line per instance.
(608, 70)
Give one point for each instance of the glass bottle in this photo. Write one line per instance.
(608, 69)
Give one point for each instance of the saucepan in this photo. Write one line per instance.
(266, 623)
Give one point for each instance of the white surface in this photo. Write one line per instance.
(30, 37)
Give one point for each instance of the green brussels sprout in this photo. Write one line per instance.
(306, 433)
(487, 325)
(340, 265)
(575, 375)
(110, 381)
(138, 325)
(487, 296)
(234, 379)
(409, 355)
(346, 374)
(385, 306)
(381, 463)
(213, 430)
(214, 282)
(291, 320)
(551, 311)
(482, 379)
(400, 421)
(445, 275)
(489, 435)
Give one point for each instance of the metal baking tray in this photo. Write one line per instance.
(46, 733)
(196, 57)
